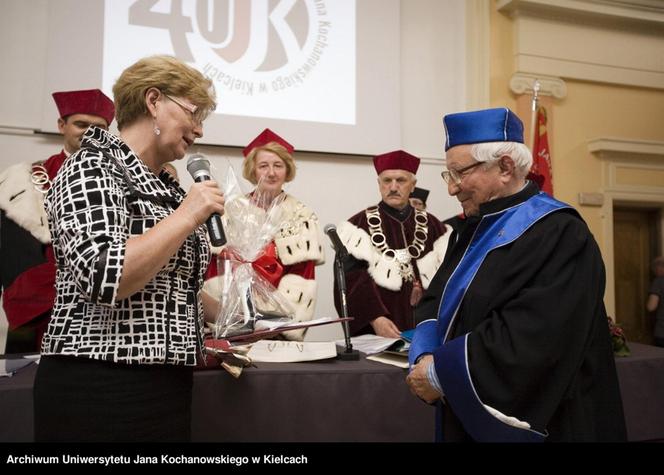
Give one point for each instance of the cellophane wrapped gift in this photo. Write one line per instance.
(248, 265)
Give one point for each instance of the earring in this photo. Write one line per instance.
(156, 128)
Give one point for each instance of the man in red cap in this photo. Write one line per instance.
(394, 252)
(27, 266)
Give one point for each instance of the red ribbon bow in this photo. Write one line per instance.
(266, 264)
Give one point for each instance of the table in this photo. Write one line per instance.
(641, 377)
(327, 401)
(335, 401)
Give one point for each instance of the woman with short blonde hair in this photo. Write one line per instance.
(249, 165)
(167, 74)
(131, 251)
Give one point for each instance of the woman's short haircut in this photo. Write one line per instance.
(166, 73)
(248, 168)
(491, 151)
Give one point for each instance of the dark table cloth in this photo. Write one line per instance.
(335, 401)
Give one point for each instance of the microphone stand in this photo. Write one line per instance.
(348, 354)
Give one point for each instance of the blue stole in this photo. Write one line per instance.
(494, 231)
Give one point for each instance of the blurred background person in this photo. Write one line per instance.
(131, 252)
(297, 248)
(27, 267)
(418, 198)
(655, 298)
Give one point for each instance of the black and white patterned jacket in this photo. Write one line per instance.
(103, 195)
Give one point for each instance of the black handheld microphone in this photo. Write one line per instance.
(198, 167)
(331, 231)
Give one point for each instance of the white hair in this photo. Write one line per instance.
(491, 151)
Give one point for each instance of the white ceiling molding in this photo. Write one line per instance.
(607, 148)
(522, 83)
(627, 11)
(614, 42)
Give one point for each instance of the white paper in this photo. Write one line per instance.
(391, 358)
(370, 344)
(279, 351)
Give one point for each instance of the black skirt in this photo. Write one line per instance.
(83, 400)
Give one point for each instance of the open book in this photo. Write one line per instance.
(372, 344)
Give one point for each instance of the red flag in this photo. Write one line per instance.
(540, 172)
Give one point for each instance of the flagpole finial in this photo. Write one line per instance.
(533, 112)
(536, 89)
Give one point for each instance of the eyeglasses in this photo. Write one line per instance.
(198, 115)
(457, 175)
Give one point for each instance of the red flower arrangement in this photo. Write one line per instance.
(618, 339)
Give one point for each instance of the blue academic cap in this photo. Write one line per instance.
(488, 125)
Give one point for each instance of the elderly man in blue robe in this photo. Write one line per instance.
(512, 342)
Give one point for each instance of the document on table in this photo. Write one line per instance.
(279, 351)
(11, 365)
(373, 344)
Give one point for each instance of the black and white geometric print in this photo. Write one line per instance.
(103, 195)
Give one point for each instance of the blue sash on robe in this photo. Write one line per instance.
(494, 231)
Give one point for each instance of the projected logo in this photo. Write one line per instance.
(289, 59)
(288, 24)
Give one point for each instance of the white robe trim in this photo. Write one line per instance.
(301, 246)
(383, 271)
(431, 261)
(301, 294)
(212, 287)
(27, 207)
(298, 239)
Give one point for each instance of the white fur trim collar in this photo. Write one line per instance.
(383, 271)
(22, 203)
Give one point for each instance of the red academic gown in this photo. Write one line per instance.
(367, 299)
(27, 276)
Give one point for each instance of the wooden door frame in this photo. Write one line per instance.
(634, 224)
(627, 200)
(620, 156)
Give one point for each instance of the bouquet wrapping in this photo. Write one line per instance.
(249, 270)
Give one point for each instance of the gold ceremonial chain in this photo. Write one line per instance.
(405, 255)
(40, 179)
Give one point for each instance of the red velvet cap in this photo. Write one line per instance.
(89, 101)
(397, 160)
(264, 138)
